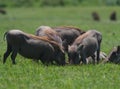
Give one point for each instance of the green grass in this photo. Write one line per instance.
(29, 75)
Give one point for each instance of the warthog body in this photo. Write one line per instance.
(114, 56)
(32, 47)
(68, 35)
(92, 44)
(50, 33)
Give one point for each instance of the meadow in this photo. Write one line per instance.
(27, 74)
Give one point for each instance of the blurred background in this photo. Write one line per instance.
(41, 3)
(27, 15)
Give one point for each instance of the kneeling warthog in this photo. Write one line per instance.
(33, 47)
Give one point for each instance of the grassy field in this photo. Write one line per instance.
(29, 75)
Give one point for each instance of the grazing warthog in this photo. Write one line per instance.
(33, 47)
(68, 35)
(80, 52)
(95, 16)
(114, 56)
(113, 16)
(50, 33)
(86, 43)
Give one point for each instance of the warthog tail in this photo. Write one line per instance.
(4, 38)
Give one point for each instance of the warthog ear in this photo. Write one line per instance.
(79, 47)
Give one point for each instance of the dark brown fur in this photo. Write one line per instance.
(68, 34)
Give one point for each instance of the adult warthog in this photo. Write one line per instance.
(68, 35)
(84, 46)
(50, 33)
(33, 47)
(64, 34)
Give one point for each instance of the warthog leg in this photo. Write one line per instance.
(98, 55)
(7, 53)
(93, 57)
(83, 57)
(13, 56)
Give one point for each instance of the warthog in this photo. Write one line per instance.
(114, 56)
(33, 47)
(68, 35)
(50, 33)
(80, 52)
(95, 16)
(85, 45)
(113, 16)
